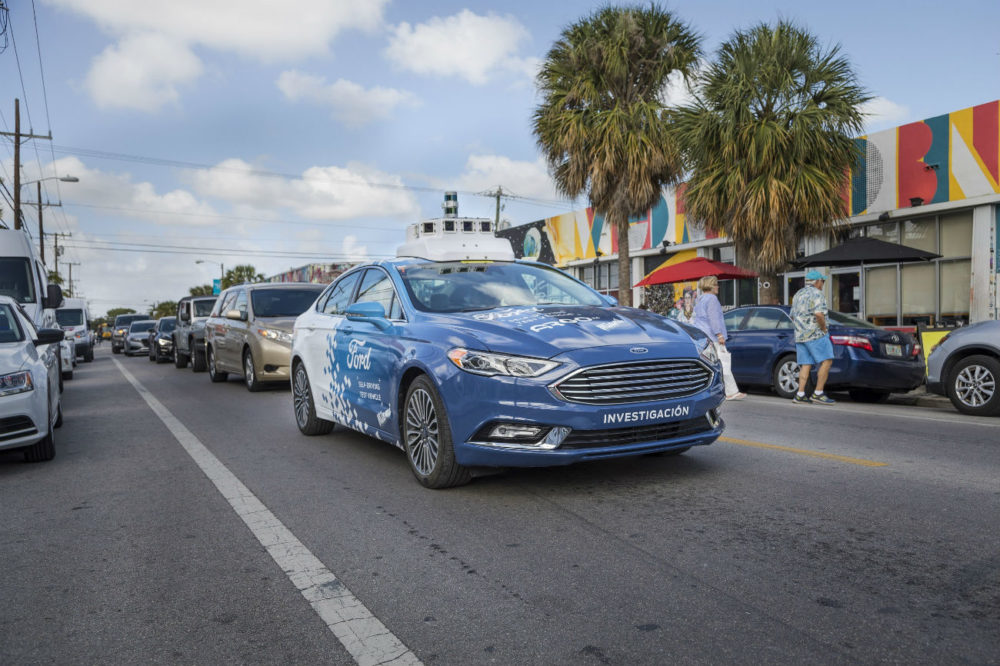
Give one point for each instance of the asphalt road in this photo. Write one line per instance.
(844, 534)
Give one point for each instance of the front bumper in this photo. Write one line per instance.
(132, 345)
(25, 418)
(273, 359)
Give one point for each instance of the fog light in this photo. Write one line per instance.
(511, 431)
(713, 418)
(555, 437)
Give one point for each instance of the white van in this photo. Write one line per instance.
(74, 318)
(23, 277)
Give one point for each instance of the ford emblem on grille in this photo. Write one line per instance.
(638, 350)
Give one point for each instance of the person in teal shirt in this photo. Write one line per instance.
(812, 338)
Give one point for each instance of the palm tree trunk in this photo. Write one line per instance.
(624, 265)
(768, 291)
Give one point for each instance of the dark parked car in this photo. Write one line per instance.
(965, 366)
(869, 362)
(161, 339)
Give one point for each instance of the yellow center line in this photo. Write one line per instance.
(804, 452)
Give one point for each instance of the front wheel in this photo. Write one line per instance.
(305, 410)
(250, 373)
(214, 374)
(972, 386)
(198, 363)
(427, 438)
(180, 360)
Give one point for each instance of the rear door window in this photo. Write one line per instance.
(340, 294)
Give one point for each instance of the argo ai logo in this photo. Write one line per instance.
(638, 350)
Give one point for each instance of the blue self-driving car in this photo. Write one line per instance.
(478, 363)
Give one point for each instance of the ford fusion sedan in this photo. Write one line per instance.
(491, 364)
(137, 338)
(868, 362)
(249, 333)
(29, 384)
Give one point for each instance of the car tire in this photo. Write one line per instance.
(88, 356)
(305, 409)
(42, 450)
(152, 355)
(253, 384)
(785, 377)
(427, 438)
(67, 374)
(973, 386)
(868, 395)
(198, 361)
(215, 375)
(180, 360)
(59, 418)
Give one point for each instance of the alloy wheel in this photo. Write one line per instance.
(788, 376)
(975, 385)
(422, 434)
(300, 396)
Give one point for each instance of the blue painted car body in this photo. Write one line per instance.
(762, 336)
(360, 366)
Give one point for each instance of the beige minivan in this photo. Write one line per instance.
(249, 332)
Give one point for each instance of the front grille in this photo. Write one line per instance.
(13, 427)
(646, 381)
(593, 439)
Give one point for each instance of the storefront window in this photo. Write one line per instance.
(918, 294)
(613, 274)
(921, 234)
(845, 292)
(888, 232)
(588, 275)
(880, 295)
(956, 235)
(955, 279)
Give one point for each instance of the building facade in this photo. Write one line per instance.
(932, 184)
(319, 273)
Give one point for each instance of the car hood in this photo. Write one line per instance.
(278, 323)
(14, 356)
(546, 331)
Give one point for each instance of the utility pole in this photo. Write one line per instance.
(17, 158)
(71, 264)
(56, 237)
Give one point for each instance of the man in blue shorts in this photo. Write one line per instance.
(812, 338)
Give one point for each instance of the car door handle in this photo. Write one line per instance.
(347, 329)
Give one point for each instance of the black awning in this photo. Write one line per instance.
(864, 251)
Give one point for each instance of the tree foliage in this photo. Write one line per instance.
(241, 274)
(114, 312)
(769, 141)
(201, 290)
(164, 309)
(600, 123)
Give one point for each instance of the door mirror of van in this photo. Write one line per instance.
(53, 297)
(49, 336)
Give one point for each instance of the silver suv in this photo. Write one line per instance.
(965, 366)
(189, 336)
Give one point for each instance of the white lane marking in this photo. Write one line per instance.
(362, 634)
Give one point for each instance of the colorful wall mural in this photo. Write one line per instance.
(946, 158)
(319, 273)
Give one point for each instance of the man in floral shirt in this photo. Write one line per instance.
(812, 338)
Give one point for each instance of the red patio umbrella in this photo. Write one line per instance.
(694, 269)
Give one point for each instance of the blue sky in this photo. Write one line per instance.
(280, 133)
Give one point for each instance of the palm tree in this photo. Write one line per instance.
(241, 274)
(600, 123)
(769, 140)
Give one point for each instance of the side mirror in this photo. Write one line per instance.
(372, 313)
(611, 300)
(49, 336)
(53, 297)
(236, 315)
(184, 315)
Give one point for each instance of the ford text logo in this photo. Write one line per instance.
(638, 350)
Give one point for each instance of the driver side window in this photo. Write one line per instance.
(340, 294)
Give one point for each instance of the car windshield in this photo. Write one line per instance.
(71, 317)
(847, 320)
(287, 302)
(203, 308)
(167, 325)
(140, 326)
(15, 279)
(465, 286)
(10, 331)
(124, 320)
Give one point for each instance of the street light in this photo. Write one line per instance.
(41, 233)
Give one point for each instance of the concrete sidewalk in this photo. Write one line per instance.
(921, 398)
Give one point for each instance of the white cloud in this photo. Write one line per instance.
(350, 103)
(353, 251)
(465, 45)
(322, 193)
(883, 113)
(142, 72)
(259, 29)
(526, 179)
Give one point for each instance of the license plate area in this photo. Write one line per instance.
(894, 350)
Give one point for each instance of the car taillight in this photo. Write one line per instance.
(916, 350)
(858, 341)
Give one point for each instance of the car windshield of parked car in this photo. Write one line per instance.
(466, 286)
(842, 319)
(288, 302)
(141, 326)
(168, 325)
(70, 317)
(203, 308)
(15, 279)
(10, 331)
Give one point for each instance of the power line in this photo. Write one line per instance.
(219, 252)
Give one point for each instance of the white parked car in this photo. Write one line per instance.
(30, 404)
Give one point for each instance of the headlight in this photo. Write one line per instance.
(163, 342)
(16, 382)
(707, 351)
(276, 335)
(81, 334)
(485, 363)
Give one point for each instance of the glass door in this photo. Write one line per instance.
(845, 292)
